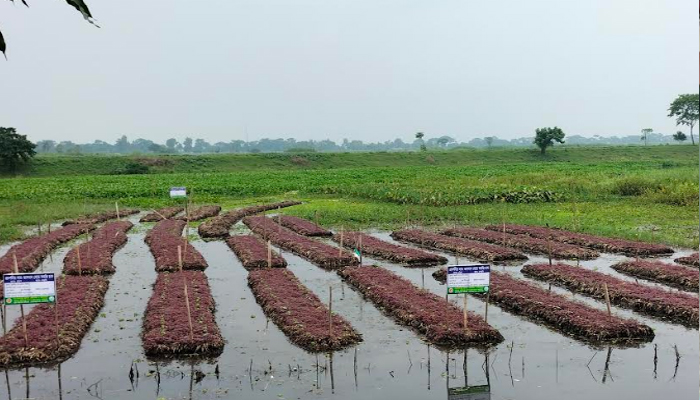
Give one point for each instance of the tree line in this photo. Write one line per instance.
(190, 145)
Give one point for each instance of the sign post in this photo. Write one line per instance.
(31, 288)
(466, 279)
(178, 192)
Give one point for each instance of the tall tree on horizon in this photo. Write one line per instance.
(686, 109)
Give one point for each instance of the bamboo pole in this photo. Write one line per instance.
(330, 312)
(340, 249)
(360, 246)
(269, 254)
(189, 313)
(116, 205)
(179, 257)
(21, 306)
(486, 310)
(607, 297)
(80, 264)
(279, 220)
(466, 326)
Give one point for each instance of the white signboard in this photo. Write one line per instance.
(29, 288)
(468, 278)
(178, 192)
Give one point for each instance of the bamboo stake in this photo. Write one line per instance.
(49, 227)
(279, 220)
(179, 257)
(607, 297)
(269, 254)
(340, 249)
(316, 218)
(486, 311)
(504, 232)
(38, 227)
(116, 205)
(466, 326)
(360, 246)
(21, 306)
(55, 314)
(189, 314)
(330, 312)
(80, 264)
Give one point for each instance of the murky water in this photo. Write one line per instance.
(392, 362)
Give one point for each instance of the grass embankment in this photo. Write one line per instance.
(650, 193)
(90, 164)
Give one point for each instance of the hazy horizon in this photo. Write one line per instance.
(372, 71)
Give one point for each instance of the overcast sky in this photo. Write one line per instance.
(370, 70)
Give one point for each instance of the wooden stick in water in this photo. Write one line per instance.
(330, 312)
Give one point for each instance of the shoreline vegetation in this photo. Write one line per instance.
(631, 192)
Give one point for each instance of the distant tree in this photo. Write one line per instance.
(686, 109)
(45, 146)
(489, 140)
(545, 137)
(187, 145)
(420, 135)
(443, 141)
(157, 148)
(170, 144)
(645, 134)
(122, 145)
(680, 137)
(15, 148)
(201, 146)
(60, 148)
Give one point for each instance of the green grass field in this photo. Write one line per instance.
(645, 192)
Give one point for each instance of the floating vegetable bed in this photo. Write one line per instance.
(692, 260)
(253, 252)
(96, 255)
(321, 254)
(101, 217)
(610, 245)
(299, 313)
(166, 324)
(673, 275)
(163, 213)
(219, 226)
(389, 251)
(164, 239)
(201, 213)
(441, 322)
(523, 242)
(673, 306)
(302, 226)
(572, 318)
(33, 251)
(471, 248)
(80, 299)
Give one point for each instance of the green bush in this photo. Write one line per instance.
(634, 186)
(676, 193)
(132, 168)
